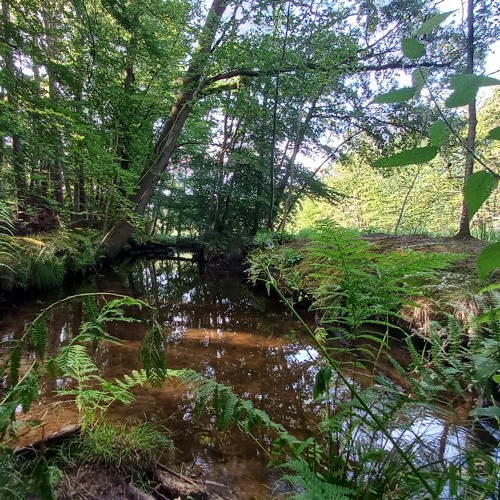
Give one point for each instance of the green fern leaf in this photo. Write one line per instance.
(152, 355)
(38, 331)
(14, 364)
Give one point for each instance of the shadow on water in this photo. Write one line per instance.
(218, 327)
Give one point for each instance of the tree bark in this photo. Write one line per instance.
(55, 166)
(464, 229)
(190, 90)
(17, 154)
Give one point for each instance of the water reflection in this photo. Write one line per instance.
(221, 329)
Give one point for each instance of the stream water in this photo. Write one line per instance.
(219, 327)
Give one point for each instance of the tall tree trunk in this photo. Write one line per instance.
(17, 154)
(124, 115)
(270, 218)
(464, 229)
(192, 84)
(55, 163)
(405, 201)
(299, 139)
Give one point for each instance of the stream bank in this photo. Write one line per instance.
(223, 330)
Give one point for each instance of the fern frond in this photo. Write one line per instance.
(90, 307)
(14, 364)
(152, 355)
(225, 403)
(315, 486)
(75, 361)
(38, 331)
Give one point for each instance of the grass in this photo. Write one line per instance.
(129, 447)
(41, 262)
(129, 450)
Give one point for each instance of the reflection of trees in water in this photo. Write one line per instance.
(217, 327)
(184, 298)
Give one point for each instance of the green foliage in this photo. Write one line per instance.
(412, 49)
(152, 354)
(322, 381)
(7, 251)
(315, 487)
(398, 95)
(129, 448)
(356, 284)
(227, 406)
(42, 262)
(438, 133)
(489, 259)
(93, 395)
(466, 87)
(91, 392)
(494, 134)
(356, 288)
(408, 157)
(478, 189)
(432, 23)
(20, 479)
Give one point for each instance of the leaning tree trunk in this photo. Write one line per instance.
(464, 229)
(191, 87)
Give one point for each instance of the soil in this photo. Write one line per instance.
(92, 481)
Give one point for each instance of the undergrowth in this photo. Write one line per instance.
(129, 446)
(370, 442)
(41, 262)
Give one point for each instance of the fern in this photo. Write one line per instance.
(38, 331)
(315, 486)
(225, 403)
(90, 307)
(14, 364)
(152, 354)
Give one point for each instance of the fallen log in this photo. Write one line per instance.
(48, 442)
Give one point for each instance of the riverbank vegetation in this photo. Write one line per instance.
(359, 126)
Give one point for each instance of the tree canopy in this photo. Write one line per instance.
(220, 118)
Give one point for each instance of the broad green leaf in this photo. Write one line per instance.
(408, 157)
(466, 88)
(477, 189)
(494, 134)
(412, 48)
(398, 95)
(490, 411)
(488, 259)
(419, 77)
(438, 133)
(322, 381)
(433, 22)
(496, 378)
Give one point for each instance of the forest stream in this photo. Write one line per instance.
(219, 327)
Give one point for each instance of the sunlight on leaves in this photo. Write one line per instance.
(488, 259)
(398, 95)
(408, 157)
(477, 189)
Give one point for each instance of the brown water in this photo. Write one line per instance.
(220, 328)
